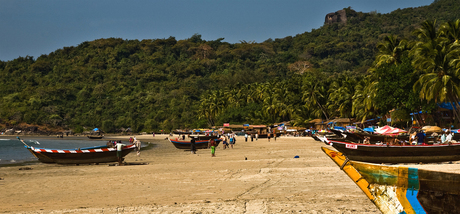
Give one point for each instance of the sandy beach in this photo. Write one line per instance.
(254, 177)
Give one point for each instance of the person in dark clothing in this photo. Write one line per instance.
(192, 146)
(420, 137)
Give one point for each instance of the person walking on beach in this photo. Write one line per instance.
(268, 136)
(246, 137)
(257, 136)
(137, 143)
(212, 142)
(232, 141)
(192, 146)
(225, 143)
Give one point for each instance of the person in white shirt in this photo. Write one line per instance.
(443, 138)
(120, 152)
(448, 137)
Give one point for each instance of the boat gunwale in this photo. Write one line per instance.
(396, 146)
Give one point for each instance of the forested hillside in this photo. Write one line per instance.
(164, 84)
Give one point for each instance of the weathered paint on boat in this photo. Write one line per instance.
(403, 189)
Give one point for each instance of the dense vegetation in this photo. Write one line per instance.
(372, 64)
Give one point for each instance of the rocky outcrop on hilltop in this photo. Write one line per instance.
(337, 17)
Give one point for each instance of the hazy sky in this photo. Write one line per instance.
(36, 27)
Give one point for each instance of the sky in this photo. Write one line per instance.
(33, 28)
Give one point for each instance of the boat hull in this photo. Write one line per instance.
(95, 137)
(84, 156)
(199, 144)
(403, 189)
(398, 154)
(266, 135)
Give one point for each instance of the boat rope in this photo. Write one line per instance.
(344, 163)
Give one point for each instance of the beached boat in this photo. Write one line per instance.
(266, 135)
(185, 144)
(97, 154)
(204, 137)
(382, 153)
(403, 189)
(95, 136)
(359, 136)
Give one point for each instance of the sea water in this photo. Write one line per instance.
(13, 151)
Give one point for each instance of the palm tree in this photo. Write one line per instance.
(211, 105)
(451, 30)
(390, 50)
(341, 96)
(437, 59)
(314, 98)
(363, 99)
(427, 32)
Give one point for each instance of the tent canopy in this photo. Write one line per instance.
(369, 129)
(388, 130)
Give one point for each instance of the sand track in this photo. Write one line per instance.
(271, 180)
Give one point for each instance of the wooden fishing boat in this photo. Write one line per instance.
(403, 189)
(97, 154)
(199, 144)
(358, 137)
(266, 135)
(95, 136)
(382, 153)
(203, 137)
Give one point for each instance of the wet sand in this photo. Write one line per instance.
(271, 180)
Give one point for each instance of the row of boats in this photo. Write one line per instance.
(380, 151)
(104, 153)
(393, 189)
(397, 189)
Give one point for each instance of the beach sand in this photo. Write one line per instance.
(271, 180)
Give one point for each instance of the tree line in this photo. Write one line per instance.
(163, 84)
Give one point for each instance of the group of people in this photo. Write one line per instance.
(119, 145)
(228, 141)
(446, 138)
(256, 136)
(417, 138)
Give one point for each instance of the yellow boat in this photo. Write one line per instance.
(403, 189)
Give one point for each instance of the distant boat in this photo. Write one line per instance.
(266, 135)
(97, 154)
(185, 144)
(95, 137)
(204, 137)
(403, 189)
(383, 153)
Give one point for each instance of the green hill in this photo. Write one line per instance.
(164, 84)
